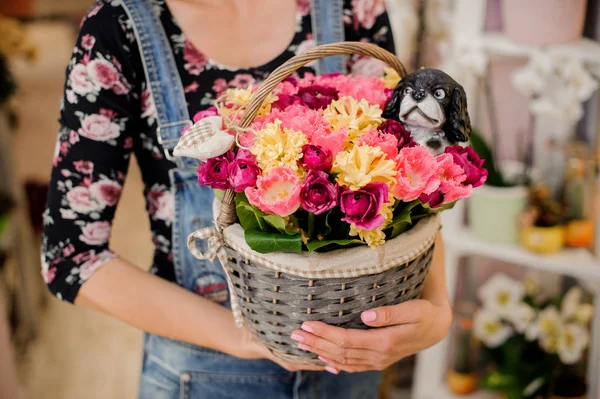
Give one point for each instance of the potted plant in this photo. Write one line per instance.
(494, 209)
(542, 224)
(555, 21)
(531, 342)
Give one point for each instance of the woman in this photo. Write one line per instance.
(139, 69)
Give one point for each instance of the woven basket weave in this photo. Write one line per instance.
(273, 294)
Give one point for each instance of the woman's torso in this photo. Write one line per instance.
(108, 114)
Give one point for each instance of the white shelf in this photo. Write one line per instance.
(499, 44)
(578, 263)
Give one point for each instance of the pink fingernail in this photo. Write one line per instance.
(321, 358)
(307, 328)
(369, 316)
(331, 370)
(304, 347)
(297, 337)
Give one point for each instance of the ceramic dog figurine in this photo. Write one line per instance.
(433, 107)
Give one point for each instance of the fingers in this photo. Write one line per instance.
(405, 313)
(345, 338)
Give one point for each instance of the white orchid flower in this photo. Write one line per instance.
(501, 294)
(572, 342)
(488, 327)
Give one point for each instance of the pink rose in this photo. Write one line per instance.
(103, 73)
(94, 263)
(418, 173)
(219, 85)
(80, 200)
(80, 81)
(148, 109)
(106, 192)
(276, 193)
(68, 250)
(318, 194)
(87, 42)
(213, 173)
(243, 171)
(210, 111)
(165, 207)
(316, 157)
(362, 207)
(366, 12)
(242, 80)
(85, 167)
(120, 88)
(95, 233)
(84, 256)
(99, 127)
(195, 60)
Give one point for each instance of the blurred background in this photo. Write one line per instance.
(521, 254)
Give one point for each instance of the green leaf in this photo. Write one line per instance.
(499, 382)
(483, 150)
(329, 245)
(402, 219)
(251, 218)
(273, 242)
(279, 223)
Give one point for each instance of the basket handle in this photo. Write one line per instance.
(227, 215)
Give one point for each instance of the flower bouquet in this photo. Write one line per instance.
(532, 341)
(337, 205)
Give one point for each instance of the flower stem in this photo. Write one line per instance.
(311, 225)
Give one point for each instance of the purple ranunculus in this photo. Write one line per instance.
(317, 96)
(398, 130)
(318, 194)
(243, 171)
(469, 161)
(362, 207)
(213, 173)
(284, 101)
(435, 199)
(316, 157)
(210, 111)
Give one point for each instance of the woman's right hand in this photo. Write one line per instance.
(252, 348)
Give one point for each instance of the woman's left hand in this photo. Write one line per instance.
(404, 329)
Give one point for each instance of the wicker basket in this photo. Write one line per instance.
(273, 294)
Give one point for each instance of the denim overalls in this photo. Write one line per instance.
(174, 369)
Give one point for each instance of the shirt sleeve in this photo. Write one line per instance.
(99, 112)
(368, 21)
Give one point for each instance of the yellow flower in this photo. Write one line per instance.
(358, 116)
(275, 146)
(362, 165)
(391, 78)
(236, 100)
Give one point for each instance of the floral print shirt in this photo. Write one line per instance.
(107, 115)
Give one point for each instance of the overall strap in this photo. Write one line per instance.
(328, 27)
(162, 77)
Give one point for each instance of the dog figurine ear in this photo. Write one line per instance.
(392, 108)
(458, 123)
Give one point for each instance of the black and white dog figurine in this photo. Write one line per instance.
(433, 107)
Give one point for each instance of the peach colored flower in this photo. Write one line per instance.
(387, 142)
(417, 173)
(277, 192)
(452, 177)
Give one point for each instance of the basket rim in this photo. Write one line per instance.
(334, 264)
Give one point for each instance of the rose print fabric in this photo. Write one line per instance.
(107, 115)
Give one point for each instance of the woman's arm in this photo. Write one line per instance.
(405, 329)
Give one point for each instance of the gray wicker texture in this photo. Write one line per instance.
(274, 304)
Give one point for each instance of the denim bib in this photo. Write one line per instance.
(174, 369)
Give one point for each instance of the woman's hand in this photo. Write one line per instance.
(251, 348)
(405, 329)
